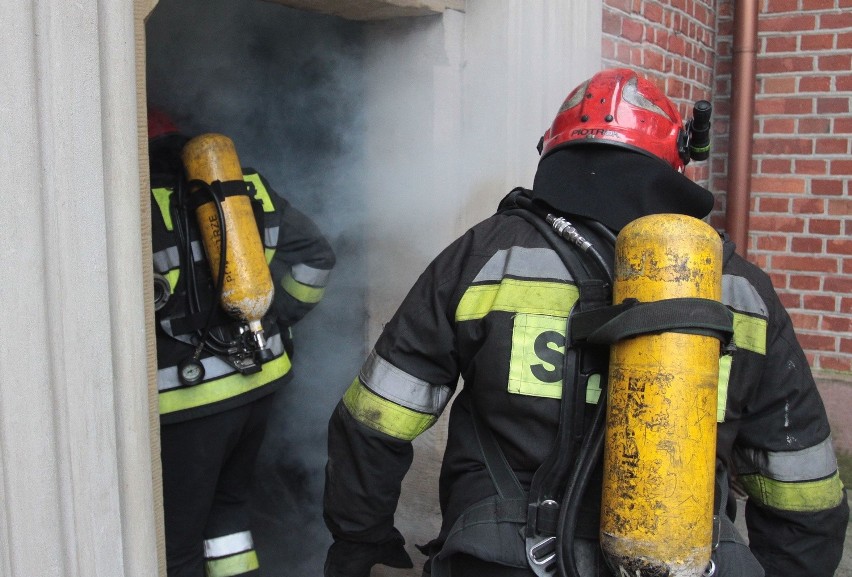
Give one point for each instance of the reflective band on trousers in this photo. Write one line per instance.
(230, 555)
(239, 564)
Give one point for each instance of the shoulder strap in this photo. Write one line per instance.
(550, 479)
(501, 473)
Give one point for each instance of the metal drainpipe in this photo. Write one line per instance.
(742, 121)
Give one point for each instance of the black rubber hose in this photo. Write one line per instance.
(220, 281)
(586, 461)
(542, 212)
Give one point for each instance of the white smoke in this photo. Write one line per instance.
(287, 87)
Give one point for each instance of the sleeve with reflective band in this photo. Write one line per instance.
(804, 480)
(306, 284)
(300, 257)
(363, 479)
(778, 433)
(389, 400)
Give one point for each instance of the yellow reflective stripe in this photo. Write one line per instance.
(807, 496)
(172, 276)
(262, 194)
(224, 388)
(722, 386)
(302, 292)
(538, 353)
(382, 415)
(233, 565)
(162, 196)
(750, 333)
(520, 296)
(269, 253)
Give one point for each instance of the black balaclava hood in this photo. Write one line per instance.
(615, 186)
(164, 154)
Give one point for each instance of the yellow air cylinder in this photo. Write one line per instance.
(248, 289)
(659, 455)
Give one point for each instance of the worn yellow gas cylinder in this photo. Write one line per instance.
(659, 453)
(248, 289)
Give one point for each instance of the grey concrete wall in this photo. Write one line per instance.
(75, 446)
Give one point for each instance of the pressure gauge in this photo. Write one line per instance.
(190, 372)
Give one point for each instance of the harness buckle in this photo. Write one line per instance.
(541, 555)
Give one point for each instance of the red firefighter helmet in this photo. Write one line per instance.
(159, 124)
(618, 107)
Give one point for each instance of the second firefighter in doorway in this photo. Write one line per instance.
(235, 266)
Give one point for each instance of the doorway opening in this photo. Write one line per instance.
(287, 87)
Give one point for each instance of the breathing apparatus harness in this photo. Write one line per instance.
(213, 330)
(561, 481)
(554, 497)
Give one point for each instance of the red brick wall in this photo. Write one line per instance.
(672, 42)
(800, 228)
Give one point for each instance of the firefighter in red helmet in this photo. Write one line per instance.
(216, 385)
(521, 480)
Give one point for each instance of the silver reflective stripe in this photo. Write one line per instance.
(399, 387)
(214, 367)
(270, 236)
(197, 251)
(524, 263)
(308, 275)
(166, 260)
(739, 294)
(809, 464)
(166, 325)
(228, 545)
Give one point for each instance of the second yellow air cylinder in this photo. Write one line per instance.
(248, 288)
